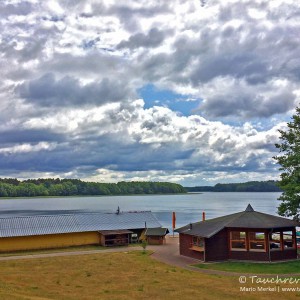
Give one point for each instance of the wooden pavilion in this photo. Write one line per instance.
(247, 235)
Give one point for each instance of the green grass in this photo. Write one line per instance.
(55, 250)
(290, 267)
(117, 276)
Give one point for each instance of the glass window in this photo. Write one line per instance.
(275, 242)
(198, 241)
(257, 241)
(288, 241)
(238, 240)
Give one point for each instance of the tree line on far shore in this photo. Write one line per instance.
(251, 186)
(11, 187)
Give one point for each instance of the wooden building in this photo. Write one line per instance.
(64, 230)
(247, 235)
(156, 236)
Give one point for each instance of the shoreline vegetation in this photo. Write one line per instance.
(11, 187)
(250, 186)
(54, 187)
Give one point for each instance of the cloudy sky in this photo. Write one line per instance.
(192, 92)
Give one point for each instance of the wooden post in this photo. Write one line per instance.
(281, 241)
(294, 238)
(173, 221)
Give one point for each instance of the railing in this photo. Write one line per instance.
(196, 248)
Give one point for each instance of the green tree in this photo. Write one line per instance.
(289, 159)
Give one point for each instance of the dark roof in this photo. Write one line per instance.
(156, 231)
(77, 222)
(114, 232)
(245, 219)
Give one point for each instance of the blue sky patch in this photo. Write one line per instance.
(176, 102)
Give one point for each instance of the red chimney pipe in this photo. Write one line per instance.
(203, 216)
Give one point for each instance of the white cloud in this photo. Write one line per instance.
(27, 148)
(71, 72)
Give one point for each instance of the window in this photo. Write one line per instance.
(288, 241)
(257, 241)
(275, 241)
(198, 241)
(238, 240)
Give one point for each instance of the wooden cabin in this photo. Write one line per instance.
(246, 235)
(156, 236)
(64, 230)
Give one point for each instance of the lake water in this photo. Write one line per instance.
(188, 207)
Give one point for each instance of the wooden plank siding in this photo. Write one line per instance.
(156, 240)
(216, 247)
(49, 241)
(185, 243)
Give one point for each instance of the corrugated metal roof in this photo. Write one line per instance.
(245, 219)
(81, 222)
(156, 231)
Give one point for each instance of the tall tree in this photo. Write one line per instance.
(289, 159)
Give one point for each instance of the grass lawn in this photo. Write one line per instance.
(55, 250)
(128, 275)
(291, 267)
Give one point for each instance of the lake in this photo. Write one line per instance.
(188, 207)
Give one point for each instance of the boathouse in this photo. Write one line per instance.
(64, 230)
(246, 235)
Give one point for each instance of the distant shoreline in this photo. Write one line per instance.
(249, 187)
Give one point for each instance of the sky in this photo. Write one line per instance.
(191, 92)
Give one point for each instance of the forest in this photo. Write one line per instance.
(11, 187)
(250, 186)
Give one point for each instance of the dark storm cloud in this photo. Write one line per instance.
(248, 104)
(47, 91)
(109, 151)
(151, 40)
(29, 136)
(91, 64)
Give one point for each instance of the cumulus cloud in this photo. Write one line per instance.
(151, 40)
(133, 139)
(71, 72)
(68, 91)
(273, 97)
(20, 9)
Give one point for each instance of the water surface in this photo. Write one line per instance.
(188, 207)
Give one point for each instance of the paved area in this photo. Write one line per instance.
(169, 253)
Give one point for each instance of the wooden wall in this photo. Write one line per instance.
(185, 242)
(216, 247)
(156, 240)
(282, 255)
(48, 241)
